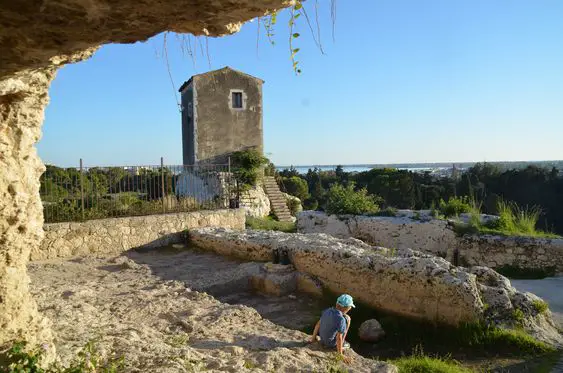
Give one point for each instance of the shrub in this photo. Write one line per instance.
(310, 204)
(346, 200)
(270, 169)
(246, 167)
(296, 186)
(455, 206)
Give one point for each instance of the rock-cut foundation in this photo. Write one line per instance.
(403, 282)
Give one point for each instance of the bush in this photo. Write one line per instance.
(346, 200)
(455, 206)
(310, 204)
(296, 186)
(270, 170)
(246, 167)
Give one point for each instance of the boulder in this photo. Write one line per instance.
(290, 200)
(371, 331)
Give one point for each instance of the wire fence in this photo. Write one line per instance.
(85, 193)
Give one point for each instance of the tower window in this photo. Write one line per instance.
(236, 100)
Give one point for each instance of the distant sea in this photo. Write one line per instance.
(432, 167)
(357, 168)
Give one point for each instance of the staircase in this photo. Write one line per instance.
(277, 199)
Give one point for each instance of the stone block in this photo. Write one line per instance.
(308, 284)
(275, 279)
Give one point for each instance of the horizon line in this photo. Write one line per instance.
(413, 163)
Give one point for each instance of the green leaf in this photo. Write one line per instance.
(297, 16)
(298, 6)
(296, 35)
(296, 50)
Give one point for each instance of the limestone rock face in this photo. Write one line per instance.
(405, 231)
(371, 331)
(402, 281)
(36, 35)
(22, 101)
(292, 199)
(255, 202)
(35, 39)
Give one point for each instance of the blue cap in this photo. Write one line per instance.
(345, 300)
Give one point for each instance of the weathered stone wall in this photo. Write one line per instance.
(414, 285)
(437, 237)
(105, 237)
(499, 251)
(403, 281)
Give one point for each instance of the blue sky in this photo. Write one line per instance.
(404, 81)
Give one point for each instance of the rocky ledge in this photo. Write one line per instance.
(403, 281)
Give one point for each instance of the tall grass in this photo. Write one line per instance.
(513, 220)
(426, 364)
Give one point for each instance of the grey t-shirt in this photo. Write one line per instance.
(332, 321)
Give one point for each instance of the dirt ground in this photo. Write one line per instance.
(152, 309)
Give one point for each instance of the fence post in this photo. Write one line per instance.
(162, 183)
(229, 182)
(81, 188)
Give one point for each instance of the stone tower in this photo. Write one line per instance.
(221, 114)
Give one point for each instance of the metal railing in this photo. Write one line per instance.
(85, 193)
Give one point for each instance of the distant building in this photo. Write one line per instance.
(221, 114)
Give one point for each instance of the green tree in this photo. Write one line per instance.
(297, 187)
(345, 200)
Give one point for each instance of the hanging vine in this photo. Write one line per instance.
(294, 35)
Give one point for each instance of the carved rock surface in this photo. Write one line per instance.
(403, 281)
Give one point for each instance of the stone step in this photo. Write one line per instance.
(278, 201)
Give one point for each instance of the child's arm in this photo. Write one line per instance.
(316, 331)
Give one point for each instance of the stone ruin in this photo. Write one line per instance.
(404, 282)
(37, 38)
